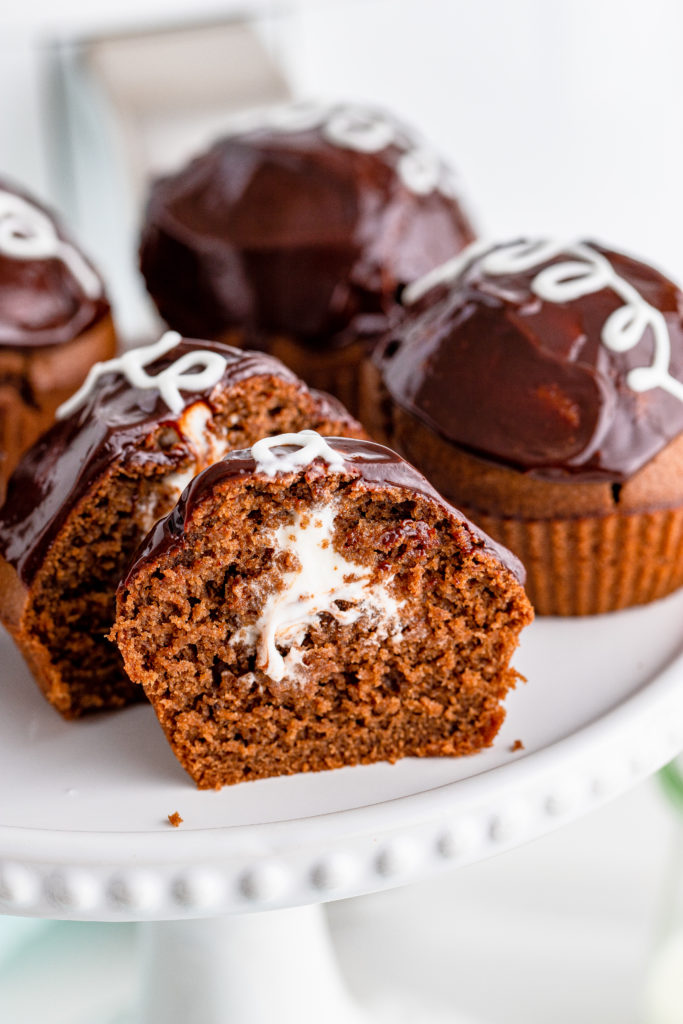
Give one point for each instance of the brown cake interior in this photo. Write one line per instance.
(336, 370)
(432, 686)
(61, 622)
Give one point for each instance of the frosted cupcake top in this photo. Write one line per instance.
(304, 220)
(560, 359)
(172, 386)
(306, 453)
(49, 292)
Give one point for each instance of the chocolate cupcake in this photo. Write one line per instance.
(312, 603)
(55, 322)
(296, 233)
(539, 386)
(80, 501)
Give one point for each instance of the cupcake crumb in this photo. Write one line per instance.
(517, 745)
(175, 819)
(363, 516)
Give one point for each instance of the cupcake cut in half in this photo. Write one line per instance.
(55, 322)
(312, 603)
(297, 231)
(85, 495)
(539, 385)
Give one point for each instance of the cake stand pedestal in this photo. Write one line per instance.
(84, 830)
(254, 969)
(275, 966)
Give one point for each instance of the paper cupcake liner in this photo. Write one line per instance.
(20, 426)
(53, 374)
(335, 371)
(590, 565)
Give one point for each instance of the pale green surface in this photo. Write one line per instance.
(15, 932)
(671, 778)
(70, 973)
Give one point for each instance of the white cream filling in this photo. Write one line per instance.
(322, 579)
(206, 448)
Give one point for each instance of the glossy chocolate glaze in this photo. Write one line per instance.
(285, 232)
(363, 460)
(116, 420)
(530, 383)
(41, 301)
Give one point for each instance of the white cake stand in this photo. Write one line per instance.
(84, 831)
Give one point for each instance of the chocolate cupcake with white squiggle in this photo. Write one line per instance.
(539, 385)
(296, 233)
(55, 321)
(312, 603)
(118, 457)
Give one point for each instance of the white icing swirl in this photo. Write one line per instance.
(420, 171)
(362, 130)
(585, 272)
(169, 382)
(357, 128)
(296, 450)
(26, 233)
(419, 168)
(443, 274)
(300, 116)
(322, 578)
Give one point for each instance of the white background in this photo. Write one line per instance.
(562, 117)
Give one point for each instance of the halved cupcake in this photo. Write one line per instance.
(85, 495)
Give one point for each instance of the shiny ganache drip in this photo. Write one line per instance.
(50, 292)
(367, 461)
(585, 271)
(359, 128)
(117, 417)
(552, 357)
(358, 206)
(26, 233)
(194, 371)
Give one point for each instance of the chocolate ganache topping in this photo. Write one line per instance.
(562, 360)
(308, 452)
(49, 292)
(120, 406)
(304, 221)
